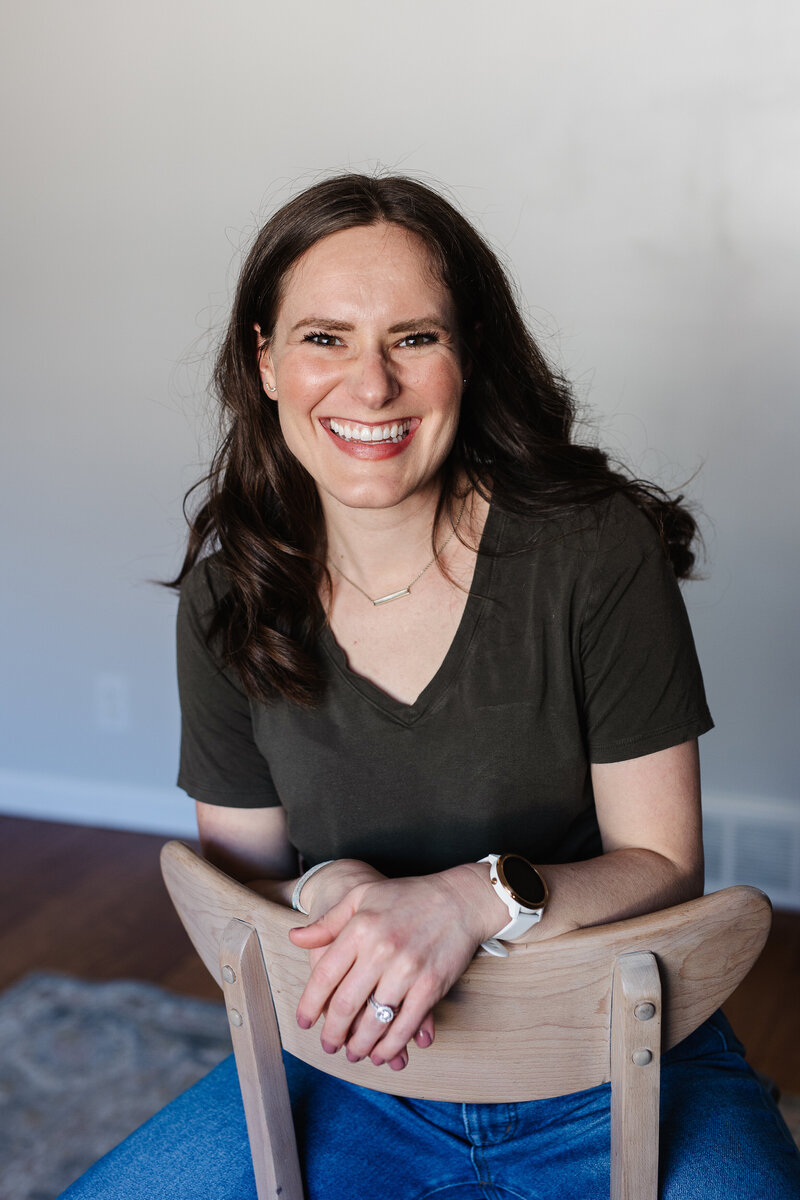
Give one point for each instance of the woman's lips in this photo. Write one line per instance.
(374, 441)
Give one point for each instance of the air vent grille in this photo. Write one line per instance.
(754, 841)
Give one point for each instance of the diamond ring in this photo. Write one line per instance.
(384, 1012)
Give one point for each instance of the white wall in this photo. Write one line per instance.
(636, 161)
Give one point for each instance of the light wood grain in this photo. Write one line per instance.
(531, 1026)
(635, 1076)
(259, 1064)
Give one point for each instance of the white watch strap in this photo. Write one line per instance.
(521, 920)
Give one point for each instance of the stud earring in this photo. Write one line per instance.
(271, 388)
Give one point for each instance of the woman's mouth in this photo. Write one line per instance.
(385, 439)
(390, 433)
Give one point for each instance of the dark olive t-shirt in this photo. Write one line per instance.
(574, 648)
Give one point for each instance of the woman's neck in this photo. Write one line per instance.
(380, 547)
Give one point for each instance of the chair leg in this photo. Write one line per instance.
(635, 1076)
(257, 1046)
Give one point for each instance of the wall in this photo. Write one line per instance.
(637, 164)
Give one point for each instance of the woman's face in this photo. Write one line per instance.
(366, 363)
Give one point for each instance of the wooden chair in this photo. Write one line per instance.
(556, 1017)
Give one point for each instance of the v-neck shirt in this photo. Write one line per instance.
(409, 714)
(574, 647)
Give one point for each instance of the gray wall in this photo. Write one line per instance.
(637, 162)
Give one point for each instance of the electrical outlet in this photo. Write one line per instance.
(112, 710)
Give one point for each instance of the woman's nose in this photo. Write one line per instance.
(372, 380)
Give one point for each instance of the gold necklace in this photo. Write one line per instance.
(405, 591)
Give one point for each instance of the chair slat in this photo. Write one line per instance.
(635, 1076)
(259, 1064)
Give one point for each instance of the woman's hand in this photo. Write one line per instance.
(331, 884)
(405, 940)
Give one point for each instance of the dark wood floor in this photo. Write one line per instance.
(91, 902)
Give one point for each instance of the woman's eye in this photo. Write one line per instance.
(414, 340)
(322, 339)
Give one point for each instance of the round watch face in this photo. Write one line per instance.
(522, 880)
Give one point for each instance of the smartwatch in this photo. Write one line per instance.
(524, 893)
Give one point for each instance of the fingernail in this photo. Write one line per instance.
(303, 1022)
(423, 1038)
(353, 1057)
(376, 1062)
(398, 1065)
(329, 1048)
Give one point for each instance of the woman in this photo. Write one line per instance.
(433, 629)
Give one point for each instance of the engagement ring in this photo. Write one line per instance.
(384, 1012)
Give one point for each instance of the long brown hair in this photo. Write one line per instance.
(260, 510)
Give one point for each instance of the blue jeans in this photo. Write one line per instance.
(721, 1139)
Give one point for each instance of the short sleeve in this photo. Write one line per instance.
(643, 690)
(219, 760)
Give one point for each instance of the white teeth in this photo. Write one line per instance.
(370, 433)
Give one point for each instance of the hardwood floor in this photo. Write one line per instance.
(91, 902)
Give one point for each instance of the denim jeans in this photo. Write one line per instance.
(721, 1139)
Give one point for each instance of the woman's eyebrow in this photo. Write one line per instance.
(435, 322)
(324, 322)
(337, 326)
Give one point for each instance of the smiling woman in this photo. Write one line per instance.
(439, 692)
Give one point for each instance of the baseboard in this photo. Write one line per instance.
(107, 804)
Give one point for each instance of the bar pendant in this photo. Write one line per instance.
(391, 596)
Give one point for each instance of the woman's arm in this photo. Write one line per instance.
(252, 845)
(648, 810)
(409, 940)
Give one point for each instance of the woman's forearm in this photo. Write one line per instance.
(278, 890)
(623, 883)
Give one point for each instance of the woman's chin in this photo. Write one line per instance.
(376, 495)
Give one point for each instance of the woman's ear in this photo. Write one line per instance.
(265, 368)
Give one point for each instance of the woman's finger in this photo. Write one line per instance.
(324, 980)
(422, 1038)
(366, 1029)
(350, 1007)
(415, 1015)
(426, 1032)
(326, 928)
(384, 1041)
(311, 937)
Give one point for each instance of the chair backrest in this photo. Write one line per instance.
(534, 1025)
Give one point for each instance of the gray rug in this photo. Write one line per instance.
(84, 1064)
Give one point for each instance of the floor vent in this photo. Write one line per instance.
(753, 841)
